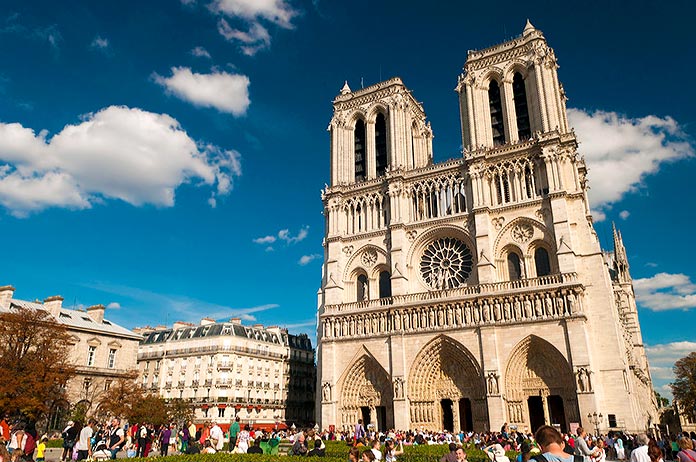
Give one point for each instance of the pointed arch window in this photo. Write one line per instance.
(381, 144)
(514, 266)
(541, 262)
(385, 284)
(363, 291)
(359, 144)
(519, 94)
(496, 106)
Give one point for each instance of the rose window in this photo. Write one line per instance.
(446, 263)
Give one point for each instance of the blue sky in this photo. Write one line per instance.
(166, 157)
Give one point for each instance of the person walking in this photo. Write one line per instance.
(84, 442)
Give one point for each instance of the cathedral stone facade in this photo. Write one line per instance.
(470, 293)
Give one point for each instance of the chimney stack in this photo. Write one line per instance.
(6, 293)
(96, 312)
(181, 325)
(236, 321)
(207, 321)
(53, 305)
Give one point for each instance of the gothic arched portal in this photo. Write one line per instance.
(539, 386)
(446, 388)
(366, 393)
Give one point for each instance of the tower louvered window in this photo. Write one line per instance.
(381, 144)
(496, 106)
(359, 142)
(519, 93)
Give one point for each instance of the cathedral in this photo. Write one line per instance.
(471, 293)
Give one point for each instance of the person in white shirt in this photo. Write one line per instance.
(216, 437)
(376, 449)
(640, 454)
(84, 444)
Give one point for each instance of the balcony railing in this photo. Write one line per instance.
(463, 292)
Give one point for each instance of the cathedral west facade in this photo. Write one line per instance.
(470, 293)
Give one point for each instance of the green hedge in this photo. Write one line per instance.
(57, 443)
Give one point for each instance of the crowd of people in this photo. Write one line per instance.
(93, 440)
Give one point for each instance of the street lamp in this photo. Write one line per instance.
(595, 420)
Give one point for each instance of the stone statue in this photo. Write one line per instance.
(492, 384)
(326, 392)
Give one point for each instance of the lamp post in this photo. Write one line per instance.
(595, 419)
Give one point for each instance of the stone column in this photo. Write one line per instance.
(545, 403)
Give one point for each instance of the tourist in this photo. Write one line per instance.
(354, 454)
(451, 456)
(299, 448)
(600, 453)
(654, 451)
(116, 437)
(368, 455)
(84, 445)
(256, 448)
(640, 454)
(41, 449)
(619, 448)
(581, 447)
(686, 453)
(359, 432)
(164, 436)
(69, 436)
(319, 449)
(243, 440)
(217, 437)
(390, 451)
(375, 445)
(552, 443)
(461, 454)
(234, 431)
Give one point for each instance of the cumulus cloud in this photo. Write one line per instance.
(121, 153)
(220, 90)
(252, 15)
(200, 52)
(621, 151)
(665, 291)
(100, 43)
(662, 358)
(113, 306)
(284, 235)
(306, 259)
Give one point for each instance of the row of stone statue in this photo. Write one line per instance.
(480, 311)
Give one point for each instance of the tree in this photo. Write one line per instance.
(684, 385)
(122, 397)
(34, 363)
(661, 400)
(180, 411)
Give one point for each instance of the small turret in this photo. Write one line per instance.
(620, 257)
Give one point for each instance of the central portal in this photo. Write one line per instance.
(536, 412)
(466, 419)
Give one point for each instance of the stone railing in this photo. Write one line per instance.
(455, 294)
(555, 297)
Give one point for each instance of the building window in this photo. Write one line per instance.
(381, 144)
(384, 284)
(221, 412)
(363, 292)
(359, 143)
(541, 261)
(514, 267)
(91, 352)
(519, 94)
(112, 358)
(496, 107)
(107, 385)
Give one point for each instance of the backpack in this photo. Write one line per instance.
(30, 445)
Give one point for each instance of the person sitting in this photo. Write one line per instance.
(299, 448)
(256, 448)
(318, 450)
(208, 449)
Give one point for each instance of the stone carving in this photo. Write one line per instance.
(446, 263)
(326, 392)
(542, 213)
(583, 379)
(348, 250)
(498, 222)
(411, 235)
(522, 232)
(492, 383)
(398, 388)
(369, 258)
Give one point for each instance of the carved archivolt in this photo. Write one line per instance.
(523, 230)
(365, 383)
(537, 365)
(364, 258)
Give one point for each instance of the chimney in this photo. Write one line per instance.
(181, 325)
(258, 326)
(207, 321)
(6, 293)
(96, 312)
(53, 305)
(236, 321)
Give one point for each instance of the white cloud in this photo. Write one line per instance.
(665, 291)
(113, 306)
(252, 13)
(121, 153)
(283, 235)
(200, 52)
(265, 240)
(624, 214)
(306, 259)
(621, 151)
(662, 358)
(220, 90)
(100, 43)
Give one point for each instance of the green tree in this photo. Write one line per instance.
(180, 411)
(661, 400)
(34, 363)
(684, 385)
